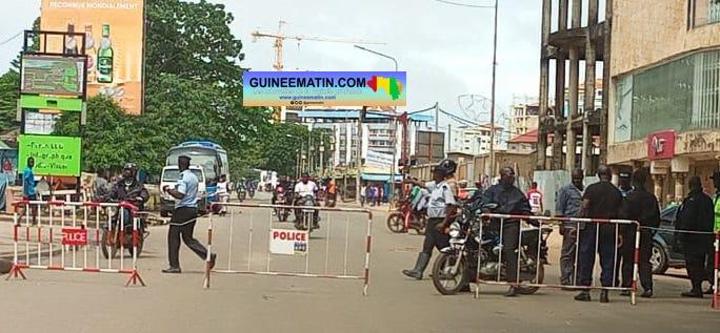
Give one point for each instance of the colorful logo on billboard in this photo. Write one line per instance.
(324, 89)
(661, 145)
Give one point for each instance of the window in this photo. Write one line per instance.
(703, 12)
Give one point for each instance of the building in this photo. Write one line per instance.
(525, 143)
(474, 140)
(665, 97)
(524, 118)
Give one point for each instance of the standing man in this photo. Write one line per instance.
(182, 224)
(625, 183)
(601, 200)
(29, 192)
(535, 197)
(711, 256)
(363, 194)
(642, 206)
(696, 214)
(569, 204)
(441, 210)
(510, 200)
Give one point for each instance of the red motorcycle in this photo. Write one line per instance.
(406, 218)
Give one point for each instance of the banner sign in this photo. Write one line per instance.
(74, 236)
(114, 44)
(379, 159)
(324, 89)
(289, 242)
(51, 75)
(54, 155)
(661, 145)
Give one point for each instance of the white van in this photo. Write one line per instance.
(170, 175)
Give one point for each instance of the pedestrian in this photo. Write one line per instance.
(29, 191)
(695, 222)
(625, 183)
(510, 200)
(371, 194)
(642, 206)
(569, 204)
(380, 194)
(601, 200)
(182, 224)
(363, 194)
(535, 197)
(441, 210)
(710, 266)
(625, 187)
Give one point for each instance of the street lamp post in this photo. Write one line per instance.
(395, 131)
(494, 70)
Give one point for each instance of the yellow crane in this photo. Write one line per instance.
(280, 37)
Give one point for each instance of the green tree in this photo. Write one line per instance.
(9, 92)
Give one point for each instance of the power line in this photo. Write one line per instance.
(463, 4)
(11, 38)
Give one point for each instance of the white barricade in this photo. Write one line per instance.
(268, 244)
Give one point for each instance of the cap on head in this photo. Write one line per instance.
(624, 175)
(446, 167)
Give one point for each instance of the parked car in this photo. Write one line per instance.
(665, 252)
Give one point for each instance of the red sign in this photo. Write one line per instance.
(74, 236)
(661, 145)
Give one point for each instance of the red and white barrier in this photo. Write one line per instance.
(290, 246)
(79, 241)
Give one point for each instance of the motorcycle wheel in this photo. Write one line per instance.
(107, 250)
(444, 282)
(395, 223)
(421, 225)
(540, 278)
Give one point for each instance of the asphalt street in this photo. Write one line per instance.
(91, 302)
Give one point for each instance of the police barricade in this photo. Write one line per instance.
(531, 251)
(72, 236)
(269, 242)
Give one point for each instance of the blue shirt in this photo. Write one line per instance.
(569, 201)
(188, 186)
(28, 182)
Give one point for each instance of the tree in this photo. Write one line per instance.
(9, 93)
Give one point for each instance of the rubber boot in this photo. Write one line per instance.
(417, 272)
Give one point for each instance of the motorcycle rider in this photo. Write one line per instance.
(440, 211)
(510, 200)
(305, 187)
(130, 190)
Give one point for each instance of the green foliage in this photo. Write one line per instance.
(9, 91)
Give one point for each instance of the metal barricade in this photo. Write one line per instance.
(76, 233)
(272, 241)
(531, 257)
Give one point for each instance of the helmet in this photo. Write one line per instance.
(446, 167)
(130, 166)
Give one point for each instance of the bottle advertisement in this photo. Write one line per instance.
(113, 43)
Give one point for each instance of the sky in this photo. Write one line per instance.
(446, 50)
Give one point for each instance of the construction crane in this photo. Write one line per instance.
(280, 38)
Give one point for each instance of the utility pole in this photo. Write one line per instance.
(492, 106)
(437, 117)
(358, 158)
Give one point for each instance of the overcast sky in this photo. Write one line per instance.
(446, 50)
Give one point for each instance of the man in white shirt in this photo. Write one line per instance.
(222, 191)
(305, 187)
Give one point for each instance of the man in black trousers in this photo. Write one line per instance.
(696, 217)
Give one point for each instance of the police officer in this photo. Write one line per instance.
(182, 224)
(695, 215)
(440, 211)
(510, 200)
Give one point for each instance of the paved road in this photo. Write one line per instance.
(83, 302)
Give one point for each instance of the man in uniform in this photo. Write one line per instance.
(696, 215)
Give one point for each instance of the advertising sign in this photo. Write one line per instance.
(52, 75)
(661, 145)
(74, 236)
(54, 155)
(324, 89)
(379, 159)
(288, 242)
(114, 44)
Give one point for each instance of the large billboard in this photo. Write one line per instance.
(114, 44)
(324, 88)
(52, 75)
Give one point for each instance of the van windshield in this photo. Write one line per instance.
(172, 175)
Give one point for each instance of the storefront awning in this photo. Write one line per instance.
(380, 177)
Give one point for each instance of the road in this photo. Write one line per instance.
(85, 302)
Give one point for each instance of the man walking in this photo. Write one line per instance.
(29, 191)
(642, 206)
(601, 200)
(696, 215)
(535, 198)
(510, 200)
(182, 224)
(568, 204)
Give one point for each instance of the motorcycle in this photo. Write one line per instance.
(114, 238)
(281, 198)
(251, 191)
(406, 218)
(476, 241)
(306, 216)
(241, 192)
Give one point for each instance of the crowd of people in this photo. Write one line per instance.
(697, 218)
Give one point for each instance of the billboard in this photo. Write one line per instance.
(324, 88)
(52, 75)
(54, 155)
(114, 44)
(429, 147)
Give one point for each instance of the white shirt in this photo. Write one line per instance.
(222, 188)
(441, 196)
(306, 189)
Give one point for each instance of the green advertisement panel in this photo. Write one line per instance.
(54, 155)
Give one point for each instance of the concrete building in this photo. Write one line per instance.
(525, 143)
(523, 118)
(665, 96)
(474, 140)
